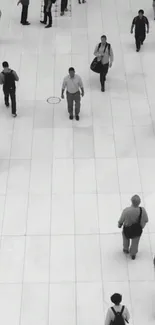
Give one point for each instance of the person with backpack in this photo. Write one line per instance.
(133, 220)
(118, 314)
(48, 13)
(104, 54)
(24, 14)
(140, 22)
(8, 78)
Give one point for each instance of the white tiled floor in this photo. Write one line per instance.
(63, 184)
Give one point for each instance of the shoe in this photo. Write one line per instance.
(79, 2)
(83, 1)
(26, 24)
(71, 117)
(126, 251)
(62, 13)
(66, 9)
(77, 117)
(42, 22)
(48, 26)
(14, 115)
(7, 104)
(137, 50)
(102, 89)
(133, 257)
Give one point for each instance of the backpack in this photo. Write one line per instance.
(9, 80)
(107, 45)
(119, 320)
(135, 230)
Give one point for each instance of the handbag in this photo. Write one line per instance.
(97, 65)
(135, 230)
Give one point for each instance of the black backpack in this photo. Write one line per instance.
(135, 230)
(119, 320)
(9, 80)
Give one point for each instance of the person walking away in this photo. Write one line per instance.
(47, 13)
(24, 14)
(104, 53)
(140, 23)
(154, 8)
(118, 314)
(64, 4)
(73, 84)
(130, 217)
(8, 78)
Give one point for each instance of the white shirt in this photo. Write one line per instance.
(110, 315)
(104, 55)
(72, 84)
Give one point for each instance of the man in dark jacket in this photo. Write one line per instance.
(8, 78)
(47, 13)
(24, 14)
(140, 22)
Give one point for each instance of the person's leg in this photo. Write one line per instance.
(49, 15)
(66, 4)
(77, 99)
(13, 101)
(62, 6)
(70, 100)
(126, 243)
(134, 246)
(103, 73)
(138, 43)
(44, 21)
(142, 38)
(6, 97)
(154, 11)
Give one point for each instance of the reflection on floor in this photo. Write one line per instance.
(63, 184)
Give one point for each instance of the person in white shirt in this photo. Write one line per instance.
(73, 84)
(116, 299)
(104, 54)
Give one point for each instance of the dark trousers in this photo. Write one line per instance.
(24, 14)
(12, 94)
(139, 40)
(48, 15)
(71, 98)
(103, 73)
(64, 4)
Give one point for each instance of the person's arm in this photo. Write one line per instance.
(16, 76)
(132, 26)
(81, 86)
(147, 24)
(108, 318)
(1, 79)
(126, 315)
(111, 57)
(145, 218)
(96, 51)
(121, 220)
(63, 88)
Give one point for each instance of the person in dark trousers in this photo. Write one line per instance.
(73, 84)
(24, 14)
(8, 79)
(104, 54)
(140, 23)
(47, 13)
(117, 311)
(64, 4)
(130, 216)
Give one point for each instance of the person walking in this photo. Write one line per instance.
(64, 4)
(118, 314)
(104, 53)
(133, 220)
(8, 78)
(24, 14)
(140, 23)
(153, 4)
(73, 83)
(47, 13)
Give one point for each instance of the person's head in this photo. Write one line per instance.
(103, 39)
(5, 65)
(116, 299)
(141, 13)
(135, 200)
(71, 72)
